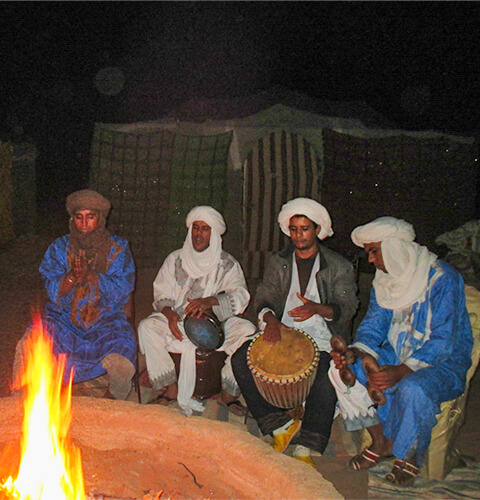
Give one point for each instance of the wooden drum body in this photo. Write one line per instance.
(284, 372)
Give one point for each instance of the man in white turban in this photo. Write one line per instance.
(197, 278)
(312, 288)
(418, 330)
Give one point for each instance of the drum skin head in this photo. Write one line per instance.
(284, 372)
(205, 332)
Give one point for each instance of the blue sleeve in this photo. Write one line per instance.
(53, 267)
(373, 329)
(450, 322)
(119, 281)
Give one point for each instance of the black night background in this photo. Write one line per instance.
(67, 65)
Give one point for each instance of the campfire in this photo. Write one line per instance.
(50, 465)
(128, 450)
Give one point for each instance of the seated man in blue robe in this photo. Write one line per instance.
(89, 277)
(418, 330)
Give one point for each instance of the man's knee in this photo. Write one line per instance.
(120, 372)
(410, 392)
(239, 357)
(118, 366)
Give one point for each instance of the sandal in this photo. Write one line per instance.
(234, 407)
(403, 473)
(370, 456)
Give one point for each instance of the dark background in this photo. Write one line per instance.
(415, 63)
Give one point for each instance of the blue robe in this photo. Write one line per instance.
(104, 329)
(409, 415)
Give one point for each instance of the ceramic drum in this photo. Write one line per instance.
(284, 372)
(205, 332)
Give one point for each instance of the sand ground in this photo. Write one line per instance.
(21, 290)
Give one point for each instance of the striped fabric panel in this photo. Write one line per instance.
(281, 166)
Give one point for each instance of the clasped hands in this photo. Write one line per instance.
(81, 270)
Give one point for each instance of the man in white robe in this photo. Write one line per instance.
(196, 278)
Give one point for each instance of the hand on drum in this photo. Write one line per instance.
(197, 307)
(388, 376)
(273, 329)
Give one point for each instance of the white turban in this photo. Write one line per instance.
(382, 228)
(199, 264)
(209, 215)
(407, 263)
(309, 208)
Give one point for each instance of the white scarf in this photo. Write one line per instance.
(408, 263)
(198, 264)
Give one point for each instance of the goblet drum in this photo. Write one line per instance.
(205, 332)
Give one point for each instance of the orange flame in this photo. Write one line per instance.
(50, 466)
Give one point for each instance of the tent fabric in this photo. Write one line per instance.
(364, 170)
(153, 177)
(427, 181)
(280, 166)
(6, 220)
(198, 177)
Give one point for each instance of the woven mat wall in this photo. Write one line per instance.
(153, 178)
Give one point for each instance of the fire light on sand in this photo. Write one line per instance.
(50, 466)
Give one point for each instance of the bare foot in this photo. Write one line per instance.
(232, 403)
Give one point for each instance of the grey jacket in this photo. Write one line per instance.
(335, 281)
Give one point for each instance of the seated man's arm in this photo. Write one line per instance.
(116, 285)
(232, 295)
(373, 329)
(56, 274)
(450, 339)
(164, 286)
(269, 299)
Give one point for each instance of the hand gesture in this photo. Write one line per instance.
(305, 311)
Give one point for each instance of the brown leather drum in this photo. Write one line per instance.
(284, 372)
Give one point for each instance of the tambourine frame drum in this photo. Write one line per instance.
(284, 391)
(205, 332)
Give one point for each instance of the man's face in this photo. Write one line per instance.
(86, 221)
(375, 257)
(303, 233)
(201, 233)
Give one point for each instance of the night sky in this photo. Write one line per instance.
(415, 63)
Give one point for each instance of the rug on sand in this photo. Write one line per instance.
(459, 483)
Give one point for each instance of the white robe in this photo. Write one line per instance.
(173, 287)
